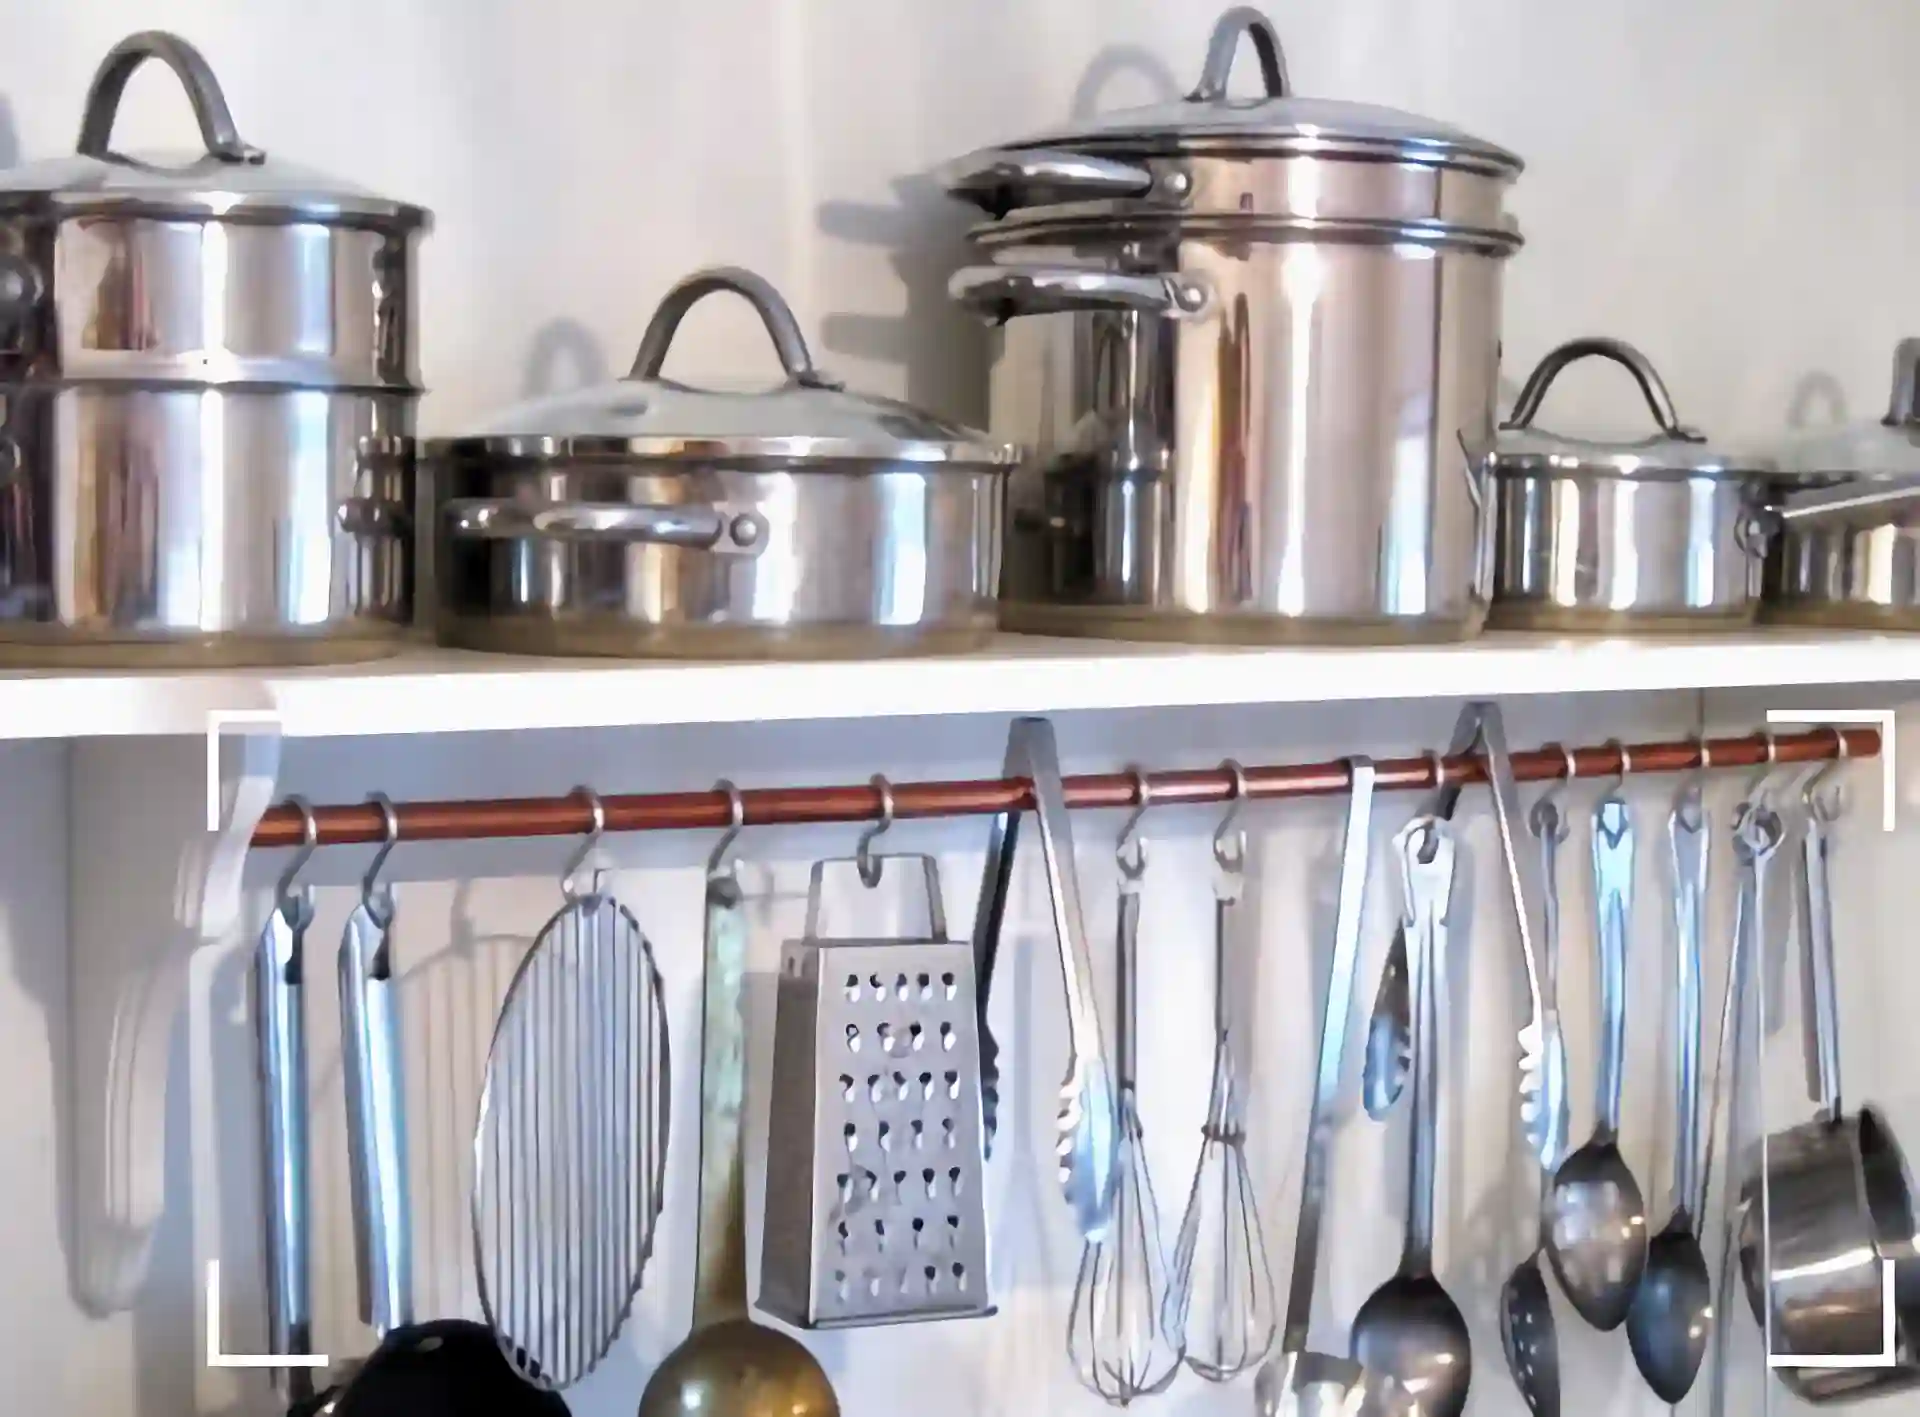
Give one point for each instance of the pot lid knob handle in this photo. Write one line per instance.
(210, 109)
(1903, 408)
(782, 328)
(1225, 44)
(1659, 402)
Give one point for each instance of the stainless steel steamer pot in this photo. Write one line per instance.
(1253, 346)
(1656, 534)
(648, 517)
(207, 387)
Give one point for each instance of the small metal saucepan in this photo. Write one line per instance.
(1838, 1199)
(1664, 533)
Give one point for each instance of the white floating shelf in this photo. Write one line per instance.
(436, 691)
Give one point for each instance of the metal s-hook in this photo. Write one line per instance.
(869, 865)
(1230, 839)
(377, 898)
(587, 845)
(1827, 807)
(1689, 797)
(1758, 793)
(295, 905)
(1619, 783)
(1545, 819)
(1133, 866)
(720, 862)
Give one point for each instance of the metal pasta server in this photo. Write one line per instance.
(207, 391)
(876, 1173)
(1200, 469)
(647, 516)
(1661, 533)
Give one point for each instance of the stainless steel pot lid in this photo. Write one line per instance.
(1209, 121)
(806, 419)
(1673, 451)
(1885, 449)
(230, 176)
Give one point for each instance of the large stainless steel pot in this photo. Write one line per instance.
(1862, 573)
(1650, 535)
(1253, 347)
(207, 386)
(646, 517)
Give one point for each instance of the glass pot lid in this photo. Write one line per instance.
(231, 175)
(1280, 121)
(1889, 447)
(1673, 451)
(807, 418)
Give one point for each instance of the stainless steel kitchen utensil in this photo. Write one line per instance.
(1543, 1055)
(1860, 572)
(876, 1177)
(280, 1040)
(1832, 1199)
(1089, 1118)
(1222, 1295)
(1672, 1313)
(1152, 269)
(1118, 1338)
(1410, 1328)
(1656, 534)
(650, 517)
(571, 1143)
(444, 1368)
(1297, 1381)
(729, 1366)
(1597, 1230)
(207, 389)
(1529, 1336)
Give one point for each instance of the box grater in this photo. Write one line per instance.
(876, 1201)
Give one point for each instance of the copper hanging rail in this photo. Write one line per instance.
(805, 806)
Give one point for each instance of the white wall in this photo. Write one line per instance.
(1728, 184)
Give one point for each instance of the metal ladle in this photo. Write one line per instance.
(1598, 1241)
(1528, 1335)
(1672, 1314)
(1410, 1328)
(729, 1366)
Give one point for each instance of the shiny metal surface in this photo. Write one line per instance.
(203, 526)
(645, 517)
(1836, 1192)
(1597, 1235)
(1322, 1385)
(1671, 1318)
(1410, 1327)
(1294, 461)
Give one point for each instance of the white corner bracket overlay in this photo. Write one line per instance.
(217, 1359)
(1883, 719)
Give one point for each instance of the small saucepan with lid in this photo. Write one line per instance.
(1662, 533)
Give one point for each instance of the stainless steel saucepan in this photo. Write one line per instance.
(1654, 534)
(1252, 346)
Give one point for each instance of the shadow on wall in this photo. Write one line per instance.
(1818, 402)
(564, 355)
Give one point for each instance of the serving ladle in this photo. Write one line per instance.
(1597, 1239)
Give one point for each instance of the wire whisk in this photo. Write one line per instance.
(1222, 1299)
(1117, 1333)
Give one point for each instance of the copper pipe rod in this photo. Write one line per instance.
(802, 806)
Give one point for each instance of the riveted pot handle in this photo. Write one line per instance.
(1903, 407)
(1225, 44)
(1659, 402)
(1001, 180)
(774, 313)
(1002, 293)
(196, 76)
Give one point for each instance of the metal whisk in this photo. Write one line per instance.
(570, 1149)
(1221, 1258)
(1117, 1331)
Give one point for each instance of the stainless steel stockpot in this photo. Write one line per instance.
(1656, 534)
(1252, 346)
(1863, 572)
(647, 517)
(207, 387)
